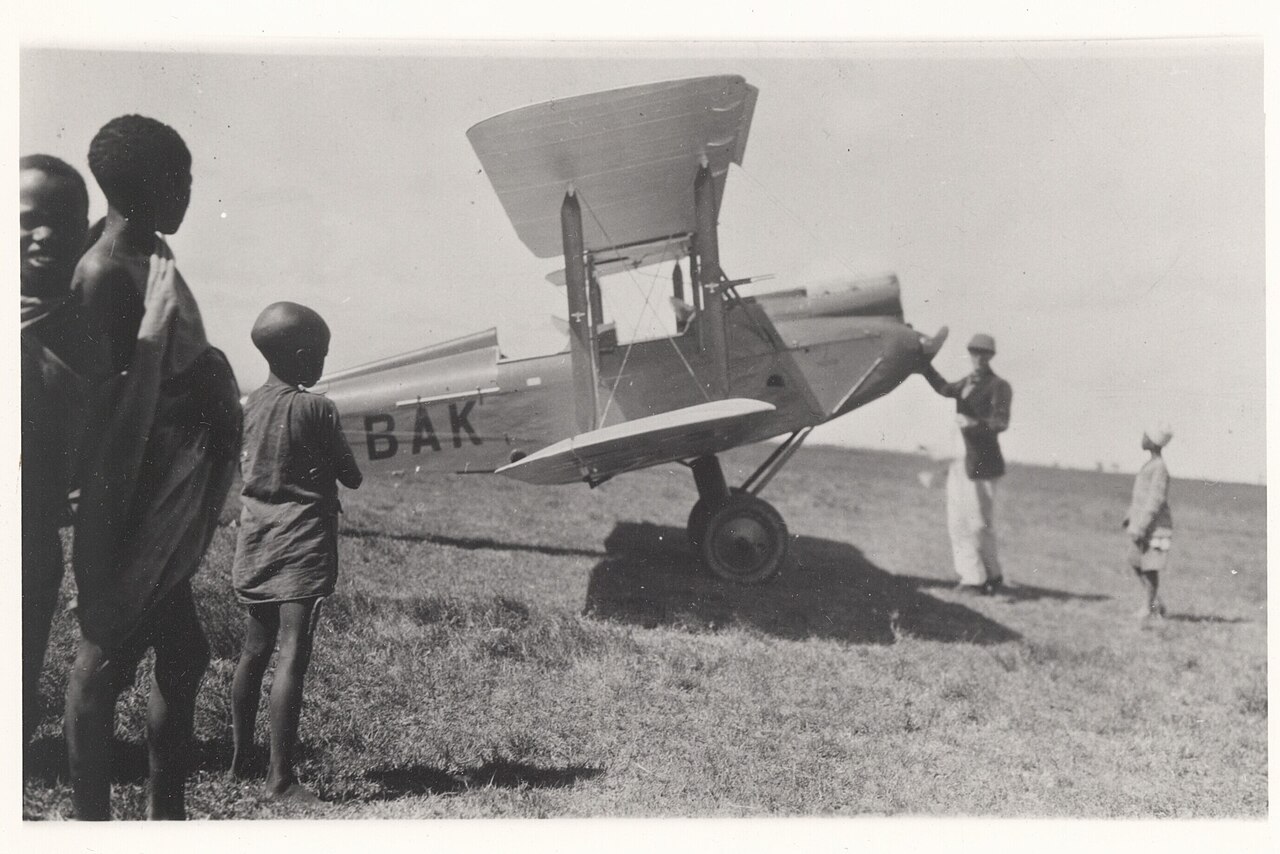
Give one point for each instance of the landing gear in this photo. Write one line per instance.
(745, 541)
(697, 526)
(739, 537)
(702, 512)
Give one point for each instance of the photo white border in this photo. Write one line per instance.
(371, 25)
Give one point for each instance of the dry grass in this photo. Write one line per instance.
(499, 650)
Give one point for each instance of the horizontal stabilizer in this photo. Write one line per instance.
(693, 431)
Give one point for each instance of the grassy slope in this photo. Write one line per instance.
(500, 650)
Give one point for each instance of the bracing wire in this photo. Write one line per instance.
(818, 241)
(647, 306)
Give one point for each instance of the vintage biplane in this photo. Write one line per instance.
(613, 182)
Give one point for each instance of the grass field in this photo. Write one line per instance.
(498, 650)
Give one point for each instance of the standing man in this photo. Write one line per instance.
(982, 401)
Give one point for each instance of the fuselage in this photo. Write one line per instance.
(461, 407)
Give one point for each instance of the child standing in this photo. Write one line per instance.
(61, 359)
(1149, 523)
(287, 555)
(157, 462)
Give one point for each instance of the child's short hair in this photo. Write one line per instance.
(131, 153)
(283, 328)
(58, 168)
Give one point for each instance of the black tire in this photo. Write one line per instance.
(744, 541)
(697, 527)
(700, 515)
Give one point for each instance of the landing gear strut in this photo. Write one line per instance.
(739, 537)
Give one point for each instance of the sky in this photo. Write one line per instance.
(1097, 206)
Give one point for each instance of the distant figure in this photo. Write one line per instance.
(983, 402)
(1149, 523)
(287, 556)
(61, 358)
(165, 440)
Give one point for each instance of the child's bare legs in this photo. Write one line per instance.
(97, 678)
(246, 688)
(182, 654)
(92, 690)
(41, 578)
(1150, 580)
(297, 627)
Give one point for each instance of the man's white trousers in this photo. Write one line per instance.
(971, 508)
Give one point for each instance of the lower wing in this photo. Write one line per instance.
(693, 431)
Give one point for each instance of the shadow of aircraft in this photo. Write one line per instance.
(399, 782)
(650, 577)
(1019, 591)
(470, 543)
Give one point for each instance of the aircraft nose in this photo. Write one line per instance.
(901, 351)
(931, 344)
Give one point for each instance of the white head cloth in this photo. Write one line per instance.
(1159, 434)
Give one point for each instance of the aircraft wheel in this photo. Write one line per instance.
(697, 527)
(745, 540)
(701, 514)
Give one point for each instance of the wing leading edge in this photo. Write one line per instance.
(706, 428)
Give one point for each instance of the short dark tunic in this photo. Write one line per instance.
(292, 455)
(987, 399)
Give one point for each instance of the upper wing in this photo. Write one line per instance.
(631, 154)
(706, 428)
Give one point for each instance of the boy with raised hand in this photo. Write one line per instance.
(166, 433)
(1149, 522)
(295, 454)
(62, 358)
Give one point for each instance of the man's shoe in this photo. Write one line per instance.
(971, 589)
(992, 586)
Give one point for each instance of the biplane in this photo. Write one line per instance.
(613, 182)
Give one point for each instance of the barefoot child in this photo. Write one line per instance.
(62, 358)
(1149, 523)
(166, 432)
(287, 556)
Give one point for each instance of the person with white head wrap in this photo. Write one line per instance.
(1149, 522)
(1159, 434)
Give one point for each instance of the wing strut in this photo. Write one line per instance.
(582, 350)
(709, 280)
(760, 477)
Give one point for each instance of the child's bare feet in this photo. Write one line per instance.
(243, 763)
(1153, 613)
(294, 793)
